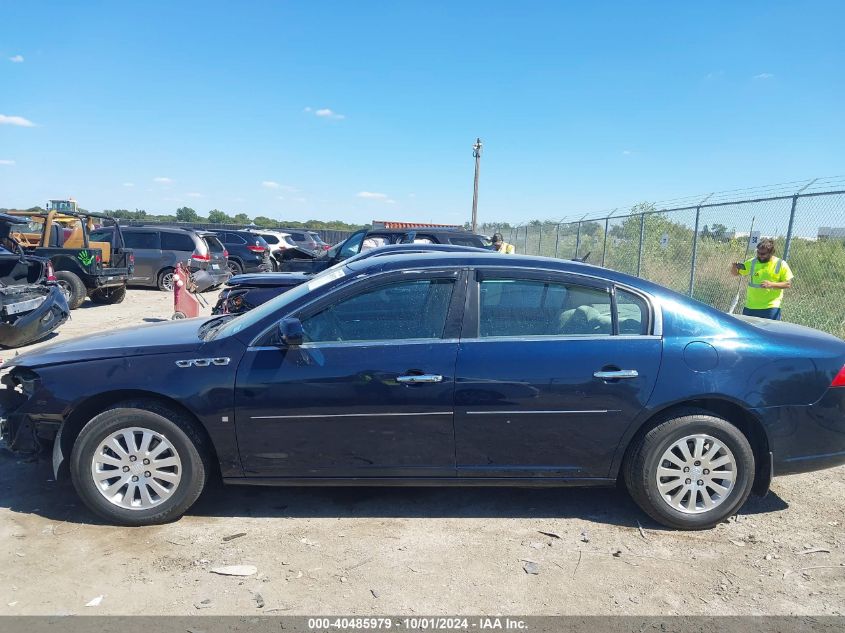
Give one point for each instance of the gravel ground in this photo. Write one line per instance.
(414, 550)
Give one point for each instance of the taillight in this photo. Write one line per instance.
(839, 381)
(98, 259)
(131, 258)
(256, 249)
(201, 258)
(226, 254)
(51, 273)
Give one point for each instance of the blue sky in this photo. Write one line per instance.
(368, 110)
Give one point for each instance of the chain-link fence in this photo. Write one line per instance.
(689, 244)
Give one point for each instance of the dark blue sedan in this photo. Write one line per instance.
(447, 368)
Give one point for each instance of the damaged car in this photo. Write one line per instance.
(32, 305)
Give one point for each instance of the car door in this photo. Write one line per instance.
(551, 371)
(146, 246)
(370, 391)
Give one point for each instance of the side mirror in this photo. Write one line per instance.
(291, 331)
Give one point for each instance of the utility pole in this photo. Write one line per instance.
(476, 151)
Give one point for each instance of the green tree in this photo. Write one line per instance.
(186, 214)
(242, 218)
(217, 216)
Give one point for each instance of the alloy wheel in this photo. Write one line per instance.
(136, 468)
(696, 474)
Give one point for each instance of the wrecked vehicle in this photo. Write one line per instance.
(31, 303)
(245, 292)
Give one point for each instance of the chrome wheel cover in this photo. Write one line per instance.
(136, 468)
(696, 474)
(167, 281)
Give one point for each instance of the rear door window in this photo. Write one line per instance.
(177, 242)
(534, 307)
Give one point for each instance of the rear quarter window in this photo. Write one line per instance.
(214, 244)
(177, 242)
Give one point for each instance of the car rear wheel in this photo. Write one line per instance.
(139, 464)
(109, 296)
(166, 278)
(235, 268)
(72, 287)
(690, 472)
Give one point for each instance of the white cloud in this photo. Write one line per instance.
(300, 199)
(325, 113)
(390, 201)
(764, 76)
(372, 195)
(194, 194)
(17, 59)
(626, 152)
(270, 184)
(7, 162)
(163, 179)
(715, 75)
(15, 120)
(288, 188)
(129, 184)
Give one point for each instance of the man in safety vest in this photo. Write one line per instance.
(767, 277)
(501, 246)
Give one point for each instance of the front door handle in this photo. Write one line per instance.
(419, 378)
(616, 374)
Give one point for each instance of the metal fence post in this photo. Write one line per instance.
(792, 217)
(789, 229)
(640, 249)
(694, 251)
(578, 239)
(540, 240)
(525, 246)
(557, 238)
(606, 229)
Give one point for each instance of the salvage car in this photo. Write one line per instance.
(302, 260)
(32, 305)
(439, 369)
(245, 292)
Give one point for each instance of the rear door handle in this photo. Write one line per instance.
(616, 374)
(419, 378)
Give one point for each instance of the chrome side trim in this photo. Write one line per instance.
(345, 415)
(513, 412)
(392, 342)
(562, 337)
(203, 362)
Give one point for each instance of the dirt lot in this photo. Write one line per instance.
(406, 551)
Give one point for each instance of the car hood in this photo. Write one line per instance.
(271, 280)
(152, 338)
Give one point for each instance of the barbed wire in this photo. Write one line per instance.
(728, 196)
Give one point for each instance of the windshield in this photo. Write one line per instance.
(347, 248)
(278, 304)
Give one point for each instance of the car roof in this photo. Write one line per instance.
(482, 257)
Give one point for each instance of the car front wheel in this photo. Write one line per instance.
(139, 464)
(690, 472)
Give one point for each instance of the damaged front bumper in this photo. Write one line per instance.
(29, 313)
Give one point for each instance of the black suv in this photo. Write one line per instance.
(297, 261)
(158, 249)
(248, 252)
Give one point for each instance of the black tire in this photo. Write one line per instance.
(109, 296)
(644, 457)
(235, 268)
(72, 286)
(165, 280)
(178, 430)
